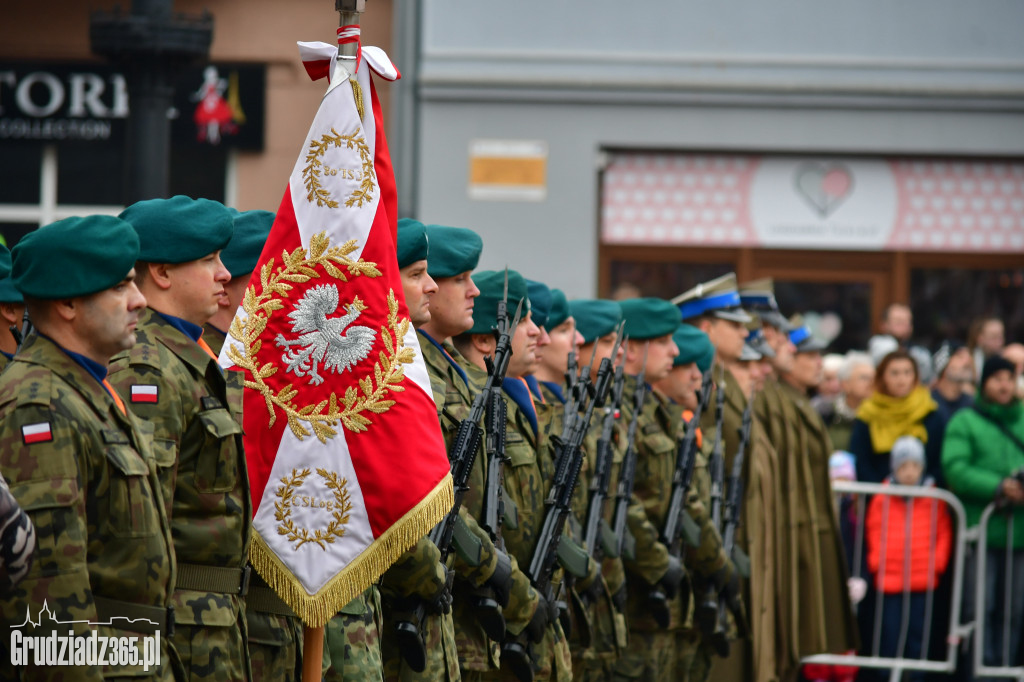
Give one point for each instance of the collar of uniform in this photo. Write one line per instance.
(445, 354)
(555, 389)
(174, 339)
(192, 331)
(9, 356)
(39, 349)
(534, 386)
(213, 330)
(519, 392)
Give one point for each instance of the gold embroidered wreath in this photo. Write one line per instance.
(315, 192)
(261, 301)
(320, 536)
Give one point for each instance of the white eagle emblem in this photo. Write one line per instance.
(321, 339)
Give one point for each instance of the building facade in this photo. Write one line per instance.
(860, 155)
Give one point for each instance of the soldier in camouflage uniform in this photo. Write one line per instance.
(76, 460)
(417, 577)
(682, 386)
(12, 313)
(653, 652)
(525, 480)
(352, 650)
(275, 632)
(172, 380)
(484, 571)
(592, 634)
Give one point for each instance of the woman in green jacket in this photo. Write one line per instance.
(983, 459)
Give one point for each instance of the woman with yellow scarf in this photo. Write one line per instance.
(900, 406)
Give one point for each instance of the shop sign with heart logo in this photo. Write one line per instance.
(823, 186)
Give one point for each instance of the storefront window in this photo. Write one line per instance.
(19, 173)
(838, 312)
(666, 280)
(946, 300)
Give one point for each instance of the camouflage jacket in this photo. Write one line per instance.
(214, 337)
(85, 474)
(454, 394)
(17, 540)
(195, 409)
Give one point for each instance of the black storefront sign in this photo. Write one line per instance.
(219, 104)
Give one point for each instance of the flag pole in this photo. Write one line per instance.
(313, 638)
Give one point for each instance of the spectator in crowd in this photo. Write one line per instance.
(829, 387)
(898, 325)
(954, 379)
(899, 406)
(985, 338)
(909, 542)
(983, 457)
(856, 381)
(1014, 353)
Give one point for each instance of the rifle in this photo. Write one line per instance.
(677, 520)
(733, 506)
(627, 474)
(601, 479)
(488, 405)
(568, 464)
(707, 611)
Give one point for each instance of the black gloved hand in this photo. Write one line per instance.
(500, 581)
(539, 623)
(669, 582)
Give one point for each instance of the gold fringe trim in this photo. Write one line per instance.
(315, 610)
(357, 93)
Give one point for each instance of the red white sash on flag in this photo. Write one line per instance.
(347, 465)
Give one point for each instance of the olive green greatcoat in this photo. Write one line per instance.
(812, 573)
(94, 497)
(198, 447)
(840, 635)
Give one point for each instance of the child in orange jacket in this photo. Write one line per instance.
(909, 542)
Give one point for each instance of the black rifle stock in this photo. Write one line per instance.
(707, 610)
(627, 473)
(733, 508)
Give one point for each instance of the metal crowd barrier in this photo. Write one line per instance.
(1011, 594)
(957, 631)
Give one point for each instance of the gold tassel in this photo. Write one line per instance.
(315, 610)
(357, 93)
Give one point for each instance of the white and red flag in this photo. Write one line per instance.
(347, 465)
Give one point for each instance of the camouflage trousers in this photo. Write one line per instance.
(275, 647)
(210, 636)
(438, 633)
(651, 657)
(352, 641)
(608, 638)
(551, 660)
(693, 657)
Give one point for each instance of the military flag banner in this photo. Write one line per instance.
(347, 464)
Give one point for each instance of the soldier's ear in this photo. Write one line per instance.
(67, 309)
(483, 343)
(159, 274)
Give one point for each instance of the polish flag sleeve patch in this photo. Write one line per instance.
(36, 433)
(143, 393)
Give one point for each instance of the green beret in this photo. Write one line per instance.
(453, 250)
(179, 229)
(693, 345)
(412, 242)
(74, 257)
(540, 301)
(8, 292)
(649, 318)
(491, 284)
(595, 318)
(559, 312)
(705, 361)
(243, 251)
